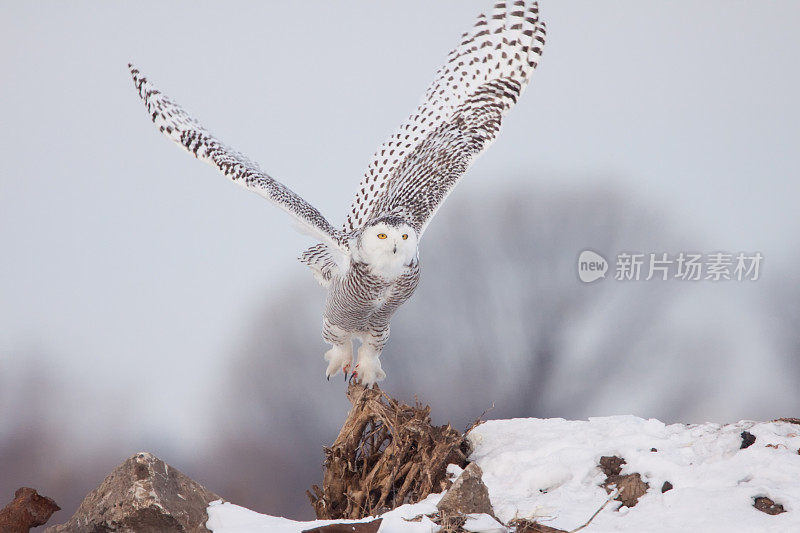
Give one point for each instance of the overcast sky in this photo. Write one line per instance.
(131, 266)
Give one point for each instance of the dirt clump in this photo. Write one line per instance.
(630, 486)
(766, 505)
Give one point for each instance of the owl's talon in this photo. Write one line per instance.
(370, 371)
(339, 359)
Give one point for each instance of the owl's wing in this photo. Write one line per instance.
(324, 264)
(174, 122)
(412, 173)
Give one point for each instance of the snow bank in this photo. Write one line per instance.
(229, 518)
(547, 470)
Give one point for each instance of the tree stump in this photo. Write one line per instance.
(387, 454)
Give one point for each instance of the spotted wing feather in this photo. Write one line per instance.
(174, 122)
(323, 263)
(412, 173)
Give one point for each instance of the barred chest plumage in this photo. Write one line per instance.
(365, 302)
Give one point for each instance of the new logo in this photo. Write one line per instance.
(591, 266)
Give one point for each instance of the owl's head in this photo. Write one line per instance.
(387, 244)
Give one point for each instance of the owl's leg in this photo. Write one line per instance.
(340, 356)
(368, 370)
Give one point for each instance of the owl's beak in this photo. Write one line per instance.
(395, 248)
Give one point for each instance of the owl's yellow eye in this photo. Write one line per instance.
(381, 235)
(405, 236)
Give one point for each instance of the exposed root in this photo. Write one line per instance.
(387, 454)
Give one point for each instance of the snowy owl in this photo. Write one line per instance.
(371, 265)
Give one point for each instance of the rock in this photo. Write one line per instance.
(748, 439)
(142, 495)
(766, 505)
(361, 527)
(468, 494)
(28, 509)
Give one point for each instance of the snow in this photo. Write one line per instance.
(229, 518)
(483, 523)
(547, 470)
(453, 471)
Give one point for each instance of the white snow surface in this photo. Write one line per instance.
(547, 470)
(229, 518)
